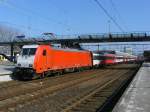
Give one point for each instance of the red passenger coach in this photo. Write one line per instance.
(108, 59)
(44, 58)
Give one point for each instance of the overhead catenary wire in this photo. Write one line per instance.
(118, 14)
(109, 16)
(29, 12)
(21, 26)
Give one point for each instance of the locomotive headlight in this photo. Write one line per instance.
(30, 65)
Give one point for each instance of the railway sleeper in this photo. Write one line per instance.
(105, 93)
(82, 110)
(94, 103)
(90, 107)
(97, 97)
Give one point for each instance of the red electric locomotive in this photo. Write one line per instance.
(40, 60)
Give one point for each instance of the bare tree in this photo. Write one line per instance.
(7, 34)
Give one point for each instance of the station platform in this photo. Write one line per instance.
(5, 71)
(136, 98)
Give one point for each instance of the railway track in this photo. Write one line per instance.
(16, 82)
(65, 93)
(32, 86)
(11, 94)
(95, 98)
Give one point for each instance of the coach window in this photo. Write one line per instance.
(44, 52)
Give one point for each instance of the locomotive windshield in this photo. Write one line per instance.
(28, 51)
(25, 51)
(32, 51)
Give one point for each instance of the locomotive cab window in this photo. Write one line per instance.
(44, 52)
(28, 51)
(32, 51)
(25, 51)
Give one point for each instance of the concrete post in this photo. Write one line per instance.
(12, 52)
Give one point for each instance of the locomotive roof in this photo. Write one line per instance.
(30, 46)
(68, 49)
(57, 48)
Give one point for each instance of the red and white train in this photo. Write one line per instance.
(107, 57)
(41, 60)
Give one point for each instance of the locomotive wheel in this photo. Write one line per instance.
(35, 76)
(42, 75)
(60, 72)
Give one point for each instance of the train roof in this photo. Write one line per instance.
(56, 48)
(124, 54)
(105, 52)
(118, 53)
(30, 46)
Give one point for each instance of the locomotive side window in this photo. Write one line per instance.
(98, 57)
(44, 52)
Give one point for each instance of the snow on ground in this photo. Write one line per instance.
(5, 71)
